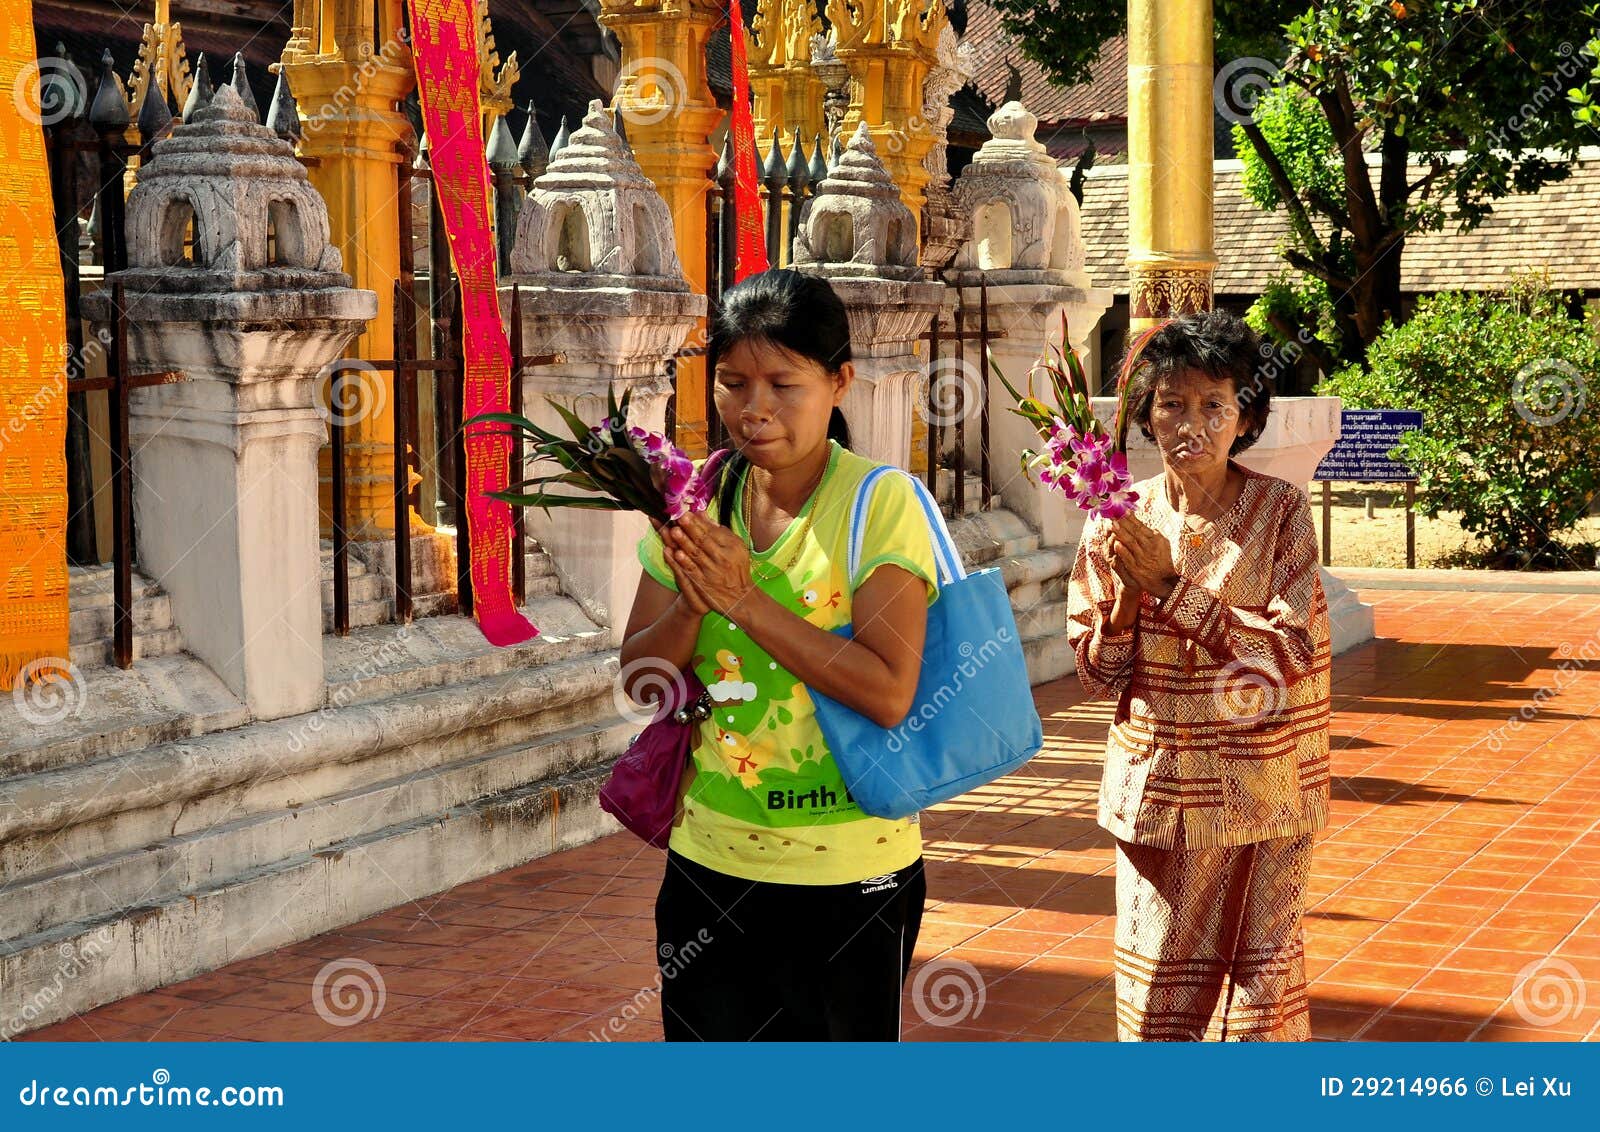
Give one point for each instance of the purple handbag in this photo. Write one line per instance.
(642, 792)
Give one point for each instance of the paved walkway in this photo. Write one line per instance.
(1456, 892)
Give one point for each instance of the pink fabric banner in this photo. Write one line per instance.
(444, 47)
(751, 255)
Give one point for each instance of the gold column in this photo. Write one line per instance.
(669, 112)
(348, 69)
(1170, 255)
(890, 46)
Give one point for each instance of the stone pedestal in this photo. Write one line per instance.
(225, 494)
(225, 462)
(614, 336)
(600, 284)
(887, 319)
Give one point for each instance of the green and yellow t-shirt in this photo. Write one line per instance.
(763, 799)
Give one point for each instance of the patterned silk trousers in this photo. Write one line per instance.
(1208, 942)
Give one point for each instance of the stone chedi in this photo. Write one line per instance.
(856, 224)
(1024, 216)
(593, 212)
(600, 284)
(1025, 245)
(857, 233)
(233, 282)
(226, 199)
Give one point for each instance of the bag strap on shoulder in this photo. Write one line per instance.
(945, 555)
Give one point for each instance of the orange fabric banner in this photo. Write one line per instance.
(33, 379)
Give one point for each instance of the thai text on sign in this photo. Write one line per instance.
(1366, 437)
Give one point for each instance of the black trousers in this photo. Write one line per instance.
(752, 961)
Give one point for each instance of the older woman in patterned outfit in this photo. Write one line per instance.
(1202, 614)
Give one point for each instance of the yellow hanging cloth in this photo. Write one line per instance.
(33, 386)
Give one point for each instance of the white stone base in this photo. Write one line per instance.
(160, 833)
(1350, 620)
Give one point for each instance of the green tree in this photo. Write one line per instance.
(1507, 385)
(1435, 109)
(1586, 108)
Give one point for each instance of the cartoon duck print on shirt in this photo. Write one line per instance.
(730, 685)
(818, 600)
(755, 699)
(812, 599)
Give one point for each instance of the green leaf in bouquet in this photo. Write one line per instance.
(565, 479)
(988, 357)
(617, 416)
(623, 473)
(580, 431)
(568, 453)
(545, 500)
(517, 422)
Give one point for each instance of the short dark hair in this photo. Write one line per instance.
(1221, 346)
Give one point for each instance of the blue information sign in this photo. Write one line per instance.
(1366, 437)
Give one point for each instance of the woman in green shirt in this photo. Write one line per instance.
(786, 913)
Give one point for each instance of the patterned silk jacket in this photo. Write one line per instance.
(1222, 688)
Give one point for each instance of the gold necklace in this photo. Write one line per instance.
(805, 528)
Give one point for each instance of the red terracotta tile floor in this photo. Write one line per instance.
(1456, 890)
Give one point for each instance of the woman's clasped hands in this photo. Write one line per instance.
(1141, 557)
(710, 562)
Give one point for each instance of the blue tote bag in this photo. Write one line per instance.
(973, 717)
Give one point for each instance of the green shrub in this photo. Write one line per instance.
(1511, 425)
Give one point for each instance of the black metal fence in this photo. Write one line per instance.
(969, 381)
(89, 155)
